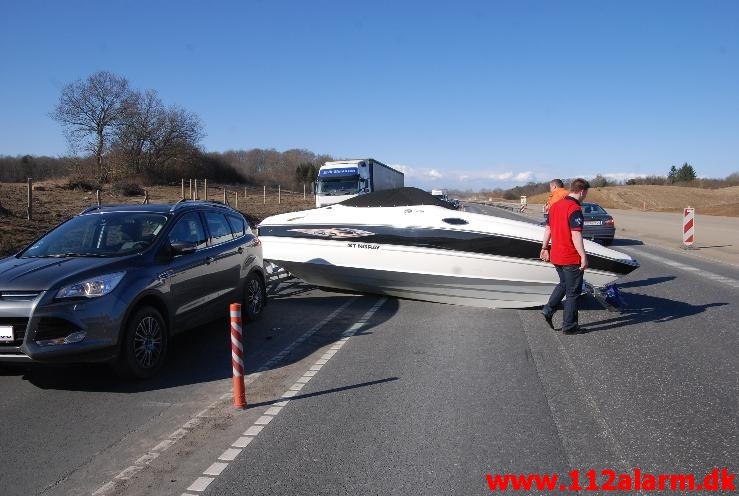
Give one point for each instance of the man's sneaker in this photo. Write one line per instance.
(574, 330)
(548, 319)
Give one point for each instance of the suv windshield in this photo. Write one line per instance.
(108, 234)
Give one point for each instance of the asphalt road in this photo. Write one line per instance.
(414, 397)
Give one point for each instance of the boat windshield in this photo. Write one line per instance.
(338, 186)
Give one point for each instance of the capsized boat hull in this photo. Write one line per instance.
(424, 252)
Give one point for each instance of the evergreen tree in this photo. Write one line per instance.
(685, 173)
(672, 174)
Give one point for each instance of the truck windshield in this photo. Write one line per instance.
(338, 186)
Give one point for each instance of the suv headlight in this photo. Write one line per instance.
(93, 287)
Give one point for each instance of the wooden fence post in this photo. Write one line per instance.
(29, 209)
(97, 196)
(264, 198)
(279, 194)
(191, 193)
(196, 188)
(205, 189)
(183, 188)
(237, 199)
(225, 200)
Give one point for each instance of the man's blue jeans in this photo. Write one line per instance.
(570, 284)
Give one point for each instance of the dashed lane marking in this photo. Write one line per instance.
(703, 273)
(201, 483)
(144, 460)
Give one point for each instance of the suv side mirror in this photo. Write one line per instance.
(183, 247)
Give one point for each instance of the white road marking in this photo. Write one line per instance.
(208, 412)
(192, 423)
(230, 454)
(253, 430)
(105, 488)
(242, 442)
(709, 275)
(178, 434)
(265, 419)
(215, 469)
(128, 472)
(164, 445)
(200, 484)
(146, 459)
(273, 410)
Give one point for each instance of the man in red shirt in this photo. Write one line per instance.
(567, 254)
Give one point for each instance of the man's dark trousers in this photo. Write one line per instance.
(570, 284)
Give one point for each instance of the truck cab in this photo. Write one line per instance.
(340, 180)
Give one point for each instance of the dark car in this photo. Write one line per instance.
(115, 283)
(599, 225)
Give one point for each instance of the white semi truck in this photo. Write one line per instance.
(344, 179)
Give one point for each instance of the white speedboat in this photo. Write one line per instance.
(405, 243)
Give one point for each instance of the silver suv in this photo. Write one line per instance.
(114, 283)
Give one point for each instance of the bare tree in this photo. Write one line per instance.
(154, 138)
(90, 111)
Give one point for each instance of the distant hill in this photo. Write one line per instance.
(723, 201)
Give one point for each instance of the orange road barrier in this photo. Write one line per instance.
(688, 227)
(237, 357)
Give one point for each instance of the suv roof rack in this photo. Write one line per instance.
(184, 202)
(90, 209)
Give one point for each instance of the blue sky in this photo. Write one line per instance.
(463, 94)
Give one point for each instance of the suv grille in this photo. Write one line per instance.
(19, 295)
(19, 330)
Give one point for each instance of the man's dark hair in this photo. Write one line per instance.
(578, 185)
(557, 182)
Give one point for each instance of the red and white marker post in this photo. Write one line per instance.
(237, 357)
(688, 227)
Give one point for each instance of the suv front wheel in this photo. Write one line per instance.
(144, 345)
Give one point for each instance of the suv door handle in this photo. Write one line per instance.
(240, 250)
(209, 260)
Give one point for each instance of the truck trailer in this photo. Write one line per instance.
(343, 179)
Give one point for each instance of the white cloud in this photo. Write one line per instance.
(525, 176)
(622, 176)
(505, 176)
(418, 173)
